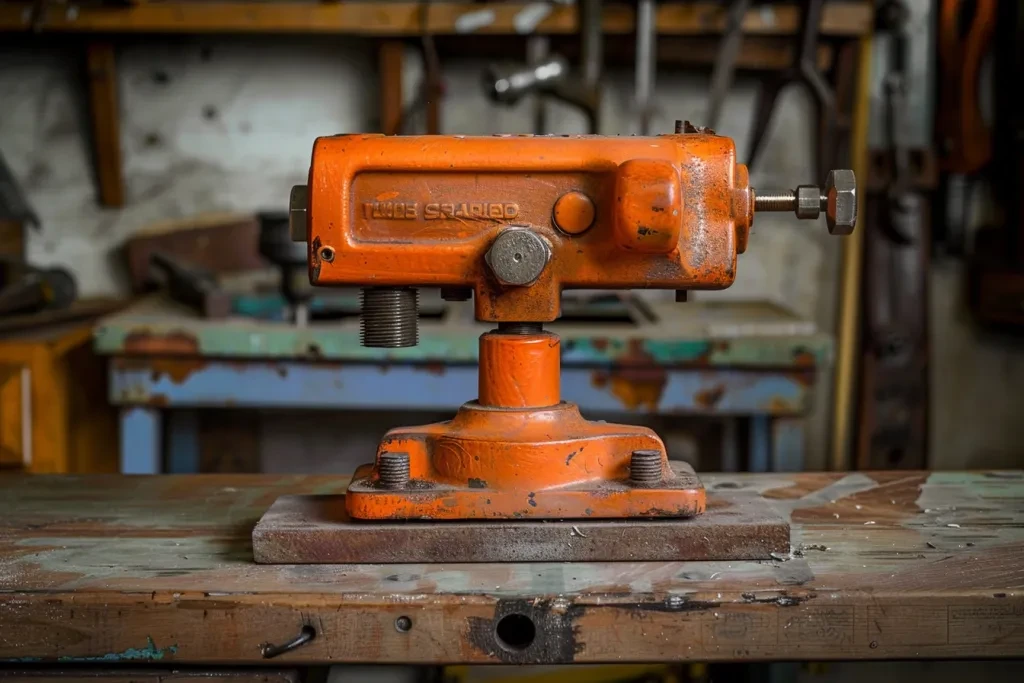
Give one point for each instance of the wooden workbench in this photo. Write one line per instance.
(883, 565)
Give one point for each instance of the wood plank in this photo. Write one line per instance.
(12, 416)
(105, 118)
(884, 565)
(850, 18)
(390, 56)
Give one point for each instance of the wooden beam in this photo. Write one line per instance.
(844, 18)
(101, 74)
(389, 76)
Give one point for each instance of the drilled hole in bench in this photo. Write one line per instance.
(515, 631)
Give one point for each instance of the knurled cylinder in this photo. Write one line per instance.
(645, 466)
(390, 317)
(393, 470)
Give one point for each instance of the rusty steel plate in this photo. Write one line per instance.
(315, 529)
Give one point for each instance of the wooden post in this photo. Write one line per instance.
(389, 73)
(106, 130)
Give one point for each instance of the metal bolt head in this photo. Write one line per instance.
(517, 257)
(808, 202)
(841, 205)
(297, 205)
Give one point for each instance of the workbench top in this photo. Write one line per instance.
(883, 565)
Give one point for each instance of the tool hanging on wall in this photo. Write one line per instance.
(996, 262)
(551, 76)
(725, 60)
(513, 221)
(965, 139)
(804, 71)
(893, 391)
(646, 62)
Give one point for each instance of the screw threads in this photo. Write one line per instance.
(390, 317)
(645, 467)
(520, 328)
(780, 200)
(393, 470)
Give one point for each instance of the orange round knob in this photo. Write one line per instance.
(574, 212)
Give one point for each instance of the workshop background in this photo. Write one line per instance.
(182, 124)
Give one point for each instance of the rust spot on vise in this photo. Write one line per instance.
(314, 260)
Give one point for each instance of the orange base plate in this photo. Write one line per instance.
(678, 495)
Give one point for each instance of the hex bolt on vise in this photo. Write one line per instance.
(511, 222)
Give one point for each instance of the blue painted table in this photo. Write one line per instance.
(752, 363)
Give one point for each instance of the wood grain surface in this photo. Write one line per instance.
(159, 569)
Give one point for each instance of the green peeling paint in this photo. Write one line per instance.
(150, 653)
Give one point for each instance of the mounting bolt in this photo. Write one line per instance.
(393, 470)
(841, 202)
(518, 256)
(645, 466)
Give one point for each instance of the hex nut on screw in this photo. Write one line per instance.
(808, 202)
(517, 257)
(393, 470)
(297, 213)
(841, 202)
(645, 466)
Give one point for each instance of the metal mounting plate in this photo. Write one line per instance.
(317, 530)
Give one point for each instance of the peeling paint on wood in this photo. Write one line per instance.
(89, 563)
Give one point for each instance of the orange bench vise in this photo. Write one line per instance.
(511, 221)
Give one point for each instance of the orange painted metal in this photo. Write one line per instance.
(574, 212)
(423, 210)
(668, 212)
(519, 370)
(520, 452)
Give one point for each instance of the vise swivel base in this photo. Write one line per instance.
(511, 221)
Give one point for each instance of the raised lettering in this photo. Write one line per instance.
(431, 212)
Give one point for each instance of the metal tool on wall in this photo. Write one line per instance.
(646, 62)
(804, 71)
(515, 220)
(551, 76)
(893, 405)
(996, 261)
(725, 60)
(965, 138)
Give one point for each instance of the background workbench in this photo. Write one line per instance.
(752, 363)
(883, 566)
